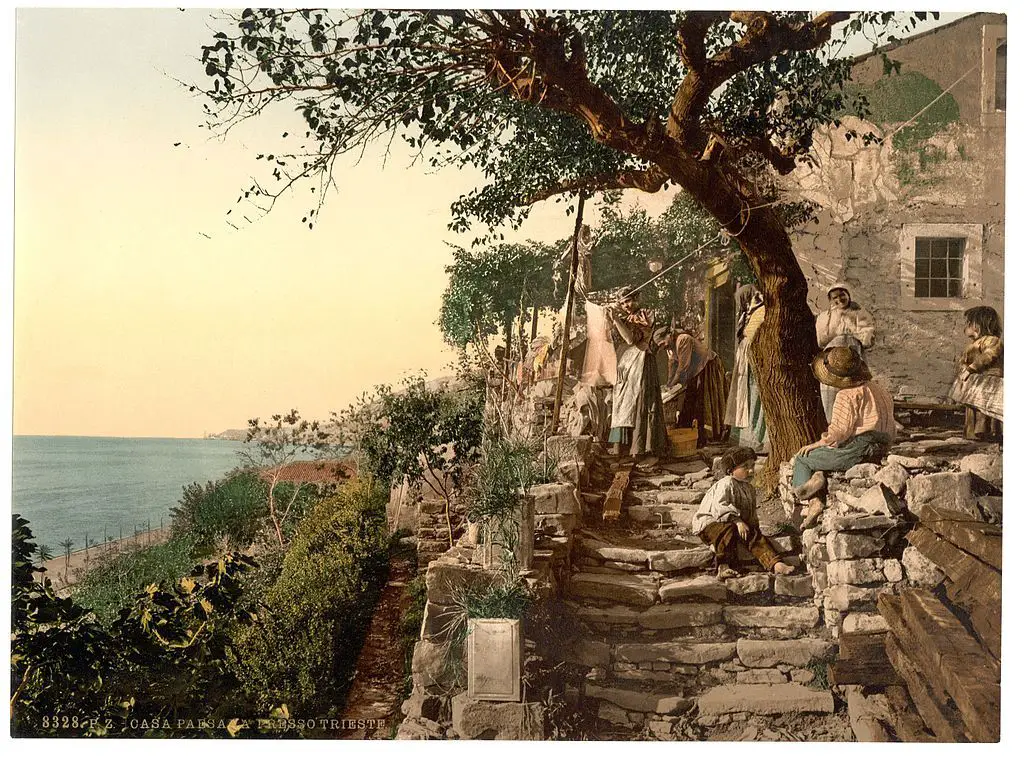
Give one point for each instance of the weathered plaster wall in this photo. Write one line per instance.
(867, 194)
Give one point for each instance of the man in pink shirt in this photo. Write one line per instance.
(861, 429)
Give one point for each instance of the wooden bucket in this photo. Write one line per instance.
(682, 441)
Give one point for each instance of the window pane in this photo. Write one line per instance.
(938, 288)
(954, 288)
(921, 269)
(922, 246)
(938, 270)
(955, 266)
(921, 288)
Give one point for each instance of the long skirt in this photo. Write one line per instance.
(704, 402)
(743, 409)
(638, 418)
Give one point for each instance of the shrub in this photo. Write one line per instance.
(112, 584)
(303, 649)
(231, 507)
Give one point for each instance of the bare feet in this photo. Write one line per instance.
(813, 511)
(811, 487)
(727, 572)
(783, 568)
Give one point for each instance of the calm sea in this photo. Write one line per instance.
(68, 487)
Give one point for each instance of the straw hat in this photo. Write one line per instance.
(840, 367)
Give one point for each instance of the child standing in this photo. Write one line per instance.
(980, 383)
(728, 513)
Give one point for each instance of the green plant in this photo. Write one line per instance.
(410, 624)
(231, 507)
(424, 435)
(819, 666)
(303, 649)
(165, 655)
(118, 577)
(44, 553)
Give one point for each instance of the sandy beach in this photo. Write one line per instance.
(65, 571)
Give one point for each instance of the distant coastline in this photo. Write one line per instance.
(235, 435)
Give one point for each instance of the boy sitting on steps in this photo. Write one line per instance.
(728, 513)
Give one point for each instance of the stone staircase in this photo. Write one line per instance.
(668, 648)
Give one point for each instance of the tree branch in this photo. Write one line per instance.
(646, 180)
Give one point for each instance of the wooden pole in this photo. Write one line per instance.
(573, 265)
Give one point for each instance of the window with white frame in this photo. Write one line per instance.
(993, 75)
(940, 266)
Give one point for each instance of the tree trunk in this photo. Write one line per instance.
(785, 344)
(508, 338)
(533, 327)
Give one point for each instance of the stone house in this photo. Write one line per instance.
(915, 224)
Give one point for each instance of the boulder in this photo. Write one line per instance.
(862, 471)
(421, 705)
(867, 714)
(950, 490)
(431, 663)
(419, 729)
(477, 719)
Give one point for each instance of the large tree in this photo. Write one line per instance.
(547, 104)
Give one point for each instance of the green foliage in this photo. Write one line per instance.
(507, 469)
(166, 655)
(231, 508)
(304, 647)
(439, 80)
(110, 586)
(897, 98)
(505, 600)
(410, 624)
(490, 288)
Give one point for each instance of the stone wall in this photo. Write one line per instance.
(859, 548)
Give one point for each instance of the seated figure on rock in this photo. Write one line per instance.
(861, 429)
(728, 513)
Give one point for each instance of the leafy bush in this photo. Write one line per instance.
(303, 649)
(231, 507)
(165, 656)
(111, 585)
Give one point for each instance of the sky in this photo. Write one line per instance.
(138, 311)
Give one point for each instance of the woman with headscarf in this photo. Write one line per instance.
(743, 409)
(699, 370)
(638, 418)
(843, 324)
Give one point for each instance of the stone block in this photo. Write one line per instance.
(880, 500)
(570, 472)
(914, 462)
(419, 729)
(477, 719)
(556, 523)
(842, 546)
(784, 544)
(832, 522)
(794, 585)
(769, 653)
(629, 590)
(612, 713)
(446, 581)
(920, 571)
(684, 496)
(657, 481)
(764, 699)
(422, 705)
(992, 507)
(862, 471)
(987, 466)
(681, 615)
(556, 497)
(440, 621)
(761, 676)
(678, 560)
(893, 476)
(867, 714)
(682, 652)
(864, 622)
(950, 490)
(607, 552)
(751, 584)
(892, 570)
(566, 447)
(695, 465)
(844, 597)
(778, 617)
(432, 663)
(661, 514)
(640, 702)
(615, 616)
(861, 571)
(692, 588)
(589, 653)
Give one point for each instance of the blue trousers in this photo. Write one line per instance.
(857, 449)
